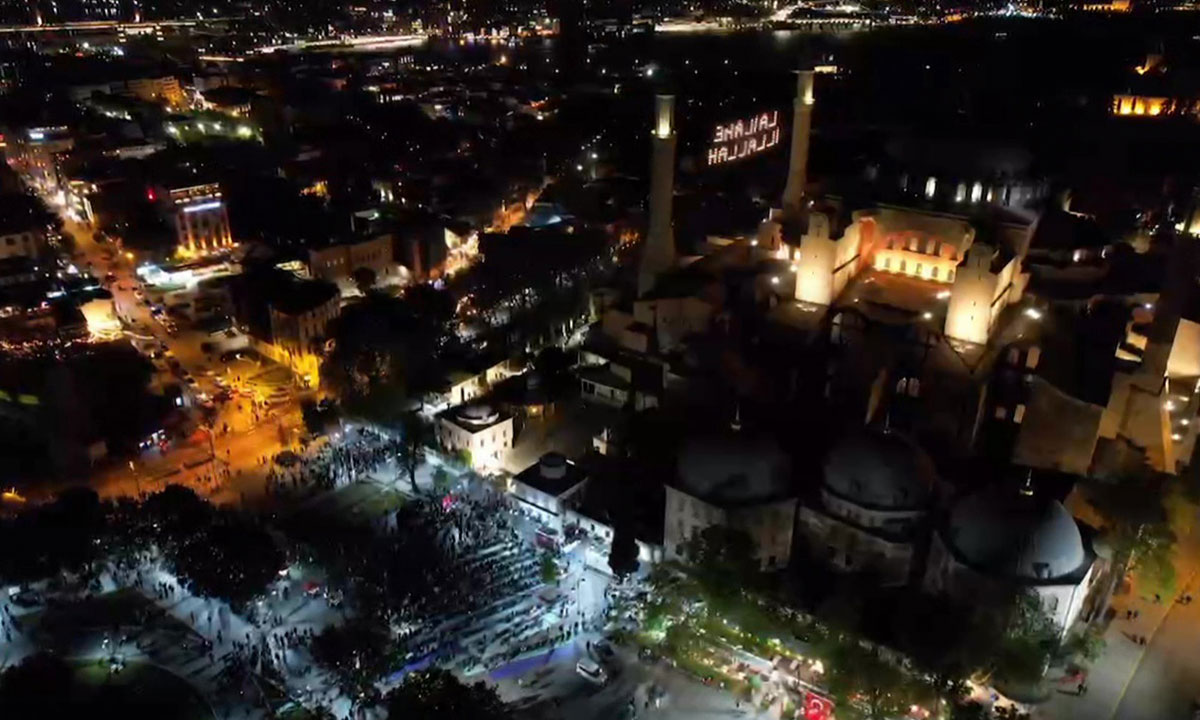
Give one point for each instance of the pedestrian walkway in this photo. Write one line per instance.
(1109, 677)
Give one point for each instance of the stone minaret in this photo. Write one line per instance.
(793, 192)
(658, 254)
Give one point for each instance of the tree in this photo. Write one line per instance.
(364, 279)
(1086, 646)
(464, 457)
(414, 433)
(970, 710)
(441, 480)
(553, 364)
(623, 556)
(178, 512)
(231, 559)
(866, 684)
(318, 416)
(549, 569)
(1136, 527)
(723, 563)
(1022, 637)
(936, 635)
(438, 694)
(41, 686)
(356, 652)
(60, 537)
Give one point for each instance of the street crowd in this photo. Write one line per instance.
(334, 464)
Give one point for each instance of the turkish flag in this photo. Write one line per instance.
(817, 707)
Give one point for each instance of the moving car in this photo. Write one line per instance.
(591, 671)
(604, 651)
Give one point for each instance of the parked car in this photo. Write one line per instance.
(27, 598)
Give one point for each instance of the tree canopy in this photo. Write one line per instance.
(623, 556)
(438, 694)
(232, 559)
(724, 562)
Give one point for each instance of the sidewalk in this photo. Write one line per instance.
(1109, 677)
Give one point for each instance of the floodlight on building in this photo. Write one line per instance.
(1169, 405)
(927, 315)
(1033, 313)
(1185, 422)
(774, 279)
(202, 207)
(943, 295)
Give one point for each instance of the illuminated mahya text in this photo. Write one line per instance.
(742, 138)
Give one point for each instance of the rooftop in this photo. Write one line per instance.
(474, 417)
(553, 474)
(300, 296)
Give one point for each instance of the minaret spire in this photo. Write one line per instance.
(658, 254)
(797, 179)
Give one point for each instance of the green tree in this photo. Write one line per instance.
(438, 694)
(441, 480)
(1137, 528)
(549, 568)
(1023, 638)
(414, 435)
(1086, 646)
(464, 457)
(866, 684)
(723, 563)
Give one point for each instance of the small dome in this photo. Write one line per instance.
(553, 466)
(1014, 534)
(880, 470)
(735, 468)
(478, 414)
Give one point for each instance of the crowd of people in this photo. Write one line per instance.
(360, 451)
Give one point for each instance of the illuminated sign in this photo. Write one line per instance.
(202, 207)
(743, 138)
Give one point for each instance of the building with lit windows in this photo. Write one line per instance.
(159, 90)
(484, 433)
(201, 219)
(338, 262)
(299, 321)
(38, 153)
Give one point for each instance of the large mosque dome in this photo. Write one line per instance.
(884, 471)
(734, 468)
(1017, 535)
